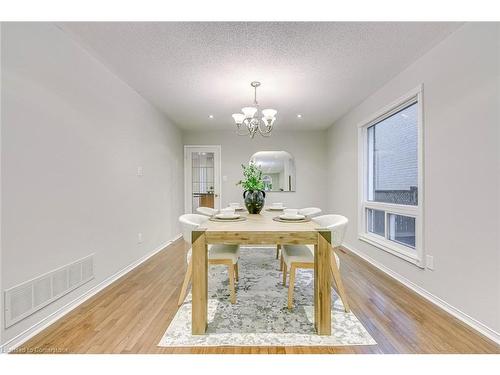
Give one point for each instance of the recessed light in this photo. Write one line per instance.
(210, 116)
(299, 116)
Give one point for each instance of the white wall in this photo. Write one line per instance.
(73, 135)
(307, 147)
(461, 113)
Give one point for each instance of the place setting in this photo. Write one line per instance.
(237, 207)
(229, 214)
(277, 206)
(291, 215)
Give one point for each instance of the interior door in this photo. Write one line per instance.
(202, 177)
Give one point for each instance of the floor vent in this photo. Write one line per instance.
(24, 299)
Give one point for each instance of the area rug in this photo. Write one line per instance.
(261, 317)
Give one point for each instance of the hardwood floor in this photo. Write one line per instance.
(131, 315)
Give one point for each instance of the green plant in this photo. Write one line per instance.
(252, 177)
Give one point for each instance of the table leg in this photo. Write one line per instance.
(200, 283)
(322, 284)
(316, 295)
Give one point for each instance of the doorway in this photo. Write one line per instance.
(202, 177)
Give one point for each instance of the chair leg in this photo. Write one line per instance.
(236, 271)
(278, 250)
(284, 273)
(232, 291)
(291, 286)
(185, 283)
(338, 281)
(281, 262)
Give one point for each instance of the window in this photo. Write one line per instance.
(376, 222)
(391, 179)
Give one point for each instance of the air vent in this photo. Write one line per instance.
(59, 282)
(24, 299)
(42, 291)
(87, 268)
(21, 301)
(75, 274)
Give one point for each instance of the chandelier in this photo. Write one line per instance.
(250, 118)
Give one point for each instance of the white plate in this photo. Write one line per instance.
(228, 217)
(276, 208)
(292, 217)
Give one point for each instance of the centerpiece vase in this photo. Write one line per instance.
(254, 200)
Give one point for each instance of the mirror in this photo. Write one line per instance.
(278, 168)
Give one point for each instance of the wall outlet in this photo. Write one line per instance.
(139, 237)
(140, 172)
(429, 261)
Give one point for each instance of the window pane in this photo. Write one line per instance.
(392, 158)
(402, 229)
(375, 221)
(202, 174)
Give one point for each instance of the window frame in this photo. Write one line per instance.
(415, 256)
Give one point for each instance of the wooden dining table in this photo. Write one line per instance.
(257, 230)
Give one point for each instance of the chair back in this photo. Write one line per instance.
(336, 224)
(207, 211)
(310, 211)
(190, 222)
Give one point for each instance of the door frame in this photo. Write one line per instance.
(188, 186)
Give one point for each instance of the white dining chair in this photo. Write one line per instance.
(217, 254)
(207, 211)
(302, 256)
(308, 211)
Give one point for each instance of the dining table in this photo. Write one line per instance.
(261, 229)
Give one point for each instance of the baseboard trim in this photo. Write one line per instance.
(59, 313)
(460, 315)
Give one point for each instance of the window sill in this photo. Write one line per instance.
(391, 248)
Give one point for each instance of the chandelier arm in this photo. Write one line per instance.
(267, 129)
(244, 133)
(265, 135)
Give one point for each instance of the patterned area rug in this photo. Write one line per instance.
(260, 316)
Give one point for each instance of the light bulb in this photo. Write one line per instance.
(238, 118)
(269, 113)
(249, 112)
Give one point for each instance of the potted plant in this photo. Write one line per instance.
(253, 184)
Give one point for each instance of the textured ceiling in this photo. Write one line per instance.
(195, 69)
